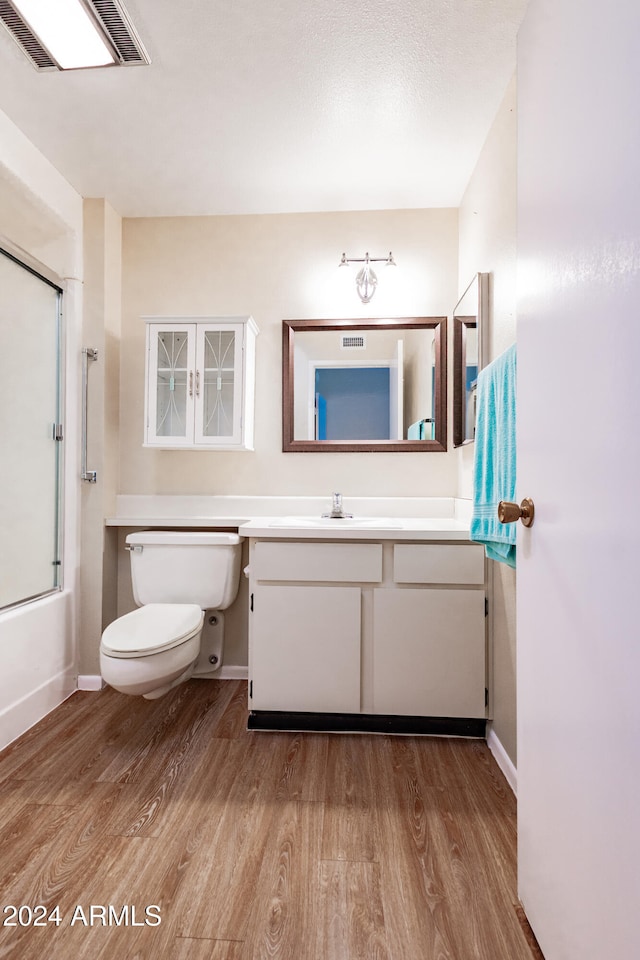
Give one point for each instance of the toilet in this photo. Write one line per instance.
(176, 577)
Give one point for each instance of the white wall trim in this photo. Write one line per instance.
(503, 760)
(37, 174)
(232, 672)
(95, 682)
(18, 717)
(90, 682)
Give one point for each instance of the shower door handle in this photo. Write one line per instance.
(88, 353)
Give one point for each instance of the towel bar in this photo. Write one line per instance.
(88, 353)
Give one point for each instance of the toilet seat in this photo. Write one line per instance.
(151, 629)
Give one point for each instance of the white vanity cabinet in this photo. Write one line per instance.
(200, 376)
(380, 629)
(306, 624)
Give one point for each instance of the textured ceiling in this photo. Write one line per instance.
(264, 106)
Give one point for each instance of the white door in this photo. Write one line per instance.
(578, 578)
(396, 394)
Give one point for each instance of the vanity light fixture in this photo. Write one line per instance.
(366, 279)
(73, 34)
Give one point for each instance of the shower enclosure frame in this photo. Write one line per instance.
(25, 261)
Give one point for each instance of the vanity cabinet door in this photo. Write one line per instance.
(305, 649)
(429, 652)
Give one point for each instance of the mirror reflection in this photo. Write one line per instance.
(364, 385)
(467, 357)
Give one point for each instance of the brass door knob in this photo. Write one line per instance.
(509, 512)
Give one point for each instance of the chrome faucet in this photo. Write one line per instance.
(337, 513)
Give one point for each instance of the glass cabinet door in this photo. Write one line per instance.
(218, 387)
(172, 383)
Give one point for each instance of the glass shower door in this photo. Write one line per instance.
(30, 462)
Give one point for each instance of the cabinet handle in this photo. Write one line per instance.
(197, 383)
(190, 383)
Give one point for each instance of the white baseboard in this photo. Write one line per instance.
(503, 760)
(90, 682)
(95, 682)
(18, 717)
(232, 672)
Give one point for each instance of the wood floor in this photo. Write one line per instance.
(250, 845)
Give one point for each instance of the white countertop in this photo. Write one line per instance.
(205, 520)
(374, 518)
(359, 528)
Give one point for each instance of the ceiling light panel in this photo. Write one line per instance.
(71, 34)
(66, 30)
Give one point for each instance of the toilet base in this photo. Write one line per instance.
(151, 676)
(160, 692)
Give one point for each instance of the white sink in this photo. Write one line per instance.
(366, 523)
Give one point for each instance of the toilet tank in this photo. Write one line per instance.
(170, 566)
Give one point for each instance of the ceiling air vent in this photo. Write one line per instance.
(117, 25)
(26, 40)
(351, 341)
(111, 20)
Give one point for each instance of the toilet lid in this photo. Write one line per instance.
(150, 629)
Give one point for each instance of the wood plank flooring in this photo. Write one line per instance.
(251, 845)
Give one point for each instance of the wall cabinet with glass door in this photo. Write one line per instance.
(200, 375)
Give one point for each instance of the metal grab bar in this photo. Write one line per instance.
(88, 353)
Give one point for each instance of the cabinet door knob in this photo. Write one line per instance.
(190, 383)
(509, 512)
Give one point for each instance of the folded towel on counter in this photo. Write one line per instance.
(416, 431)
(421, 430)
(494, 467)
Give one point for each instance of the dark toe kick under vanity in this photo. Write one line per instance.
(377, 630)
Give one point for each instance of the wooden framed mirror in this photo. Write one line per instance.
(364, 385)
(469, 331)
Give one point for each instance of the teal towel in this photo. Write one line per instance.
(421, 430)
(494, 467)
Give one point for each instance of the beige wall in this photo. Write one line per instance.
(278, 267)
(101, 330)
(487, 221)
(488, 245)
